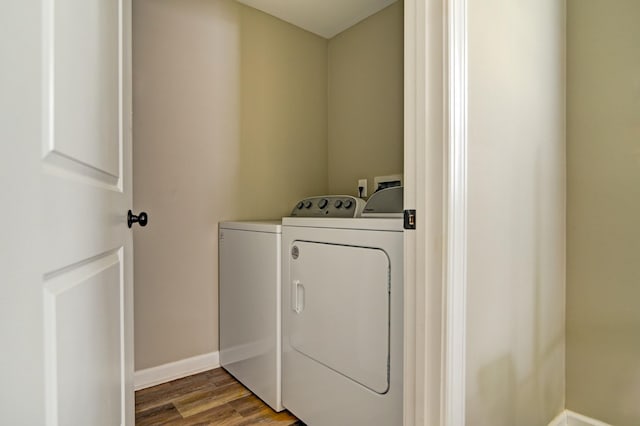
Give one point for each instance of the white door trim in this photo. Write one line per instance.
(435, 164)
(413, 358)
(426, 190)
(456, 215)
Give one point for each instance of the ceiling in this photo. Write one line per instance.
(325, 18)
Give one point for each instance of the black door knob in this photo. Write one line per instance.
(141, 219)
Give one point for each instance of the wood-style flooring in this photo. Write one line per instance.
(210, 398)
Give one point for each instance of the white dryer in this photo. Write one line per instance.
(342, 310)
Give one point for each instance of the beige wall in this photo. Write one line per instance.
(230, 122)
(366, 101)
(603, 210)
(516, 223)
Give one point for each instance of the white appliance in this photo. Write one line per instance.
(329, 206)
(342, 308)
(249, 300)
(386, 202)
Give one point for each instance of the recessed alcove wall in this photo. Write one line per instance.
(233, 120)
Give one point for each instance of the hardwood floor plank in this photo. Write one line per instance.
(157, 395)
(210, 398)
(224, 380)
(203, 400)
(269, 417)
(247, 405)
(223, 415)
(161, 415)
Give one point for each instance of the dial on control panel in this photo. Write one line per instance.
(328, 206)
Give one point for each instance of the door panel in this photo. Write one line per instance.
(85, 337)
(340, 299)
(86, 192)
(85, 82)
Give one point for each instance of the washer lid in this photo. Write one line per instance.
(271, 226)
(388, 202)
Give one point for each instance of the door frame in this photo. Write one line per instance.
(435, 176)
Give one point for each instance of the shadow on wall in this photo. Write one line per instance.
(524, 385)
(498, 380)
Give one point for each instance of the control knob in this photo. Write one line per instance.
(323, 203)
(348, 204)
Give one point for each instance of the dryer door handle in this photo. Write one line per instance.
(297, 296)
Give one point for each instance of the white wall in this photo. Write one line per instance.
(516, 223)
(21, 302)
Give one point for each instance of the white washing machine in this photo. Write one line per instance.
(249, 301)
(342, 311)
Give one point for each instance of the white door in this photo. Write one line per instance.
(87, 247)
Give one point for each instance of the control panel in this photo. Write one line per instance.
(329, 206)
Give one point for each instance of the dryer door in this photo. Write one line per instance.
(340, 309)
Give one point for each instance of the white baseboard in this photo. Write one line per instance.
(575, 419)
(560, 420)
(175, 370)
(569, 418)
